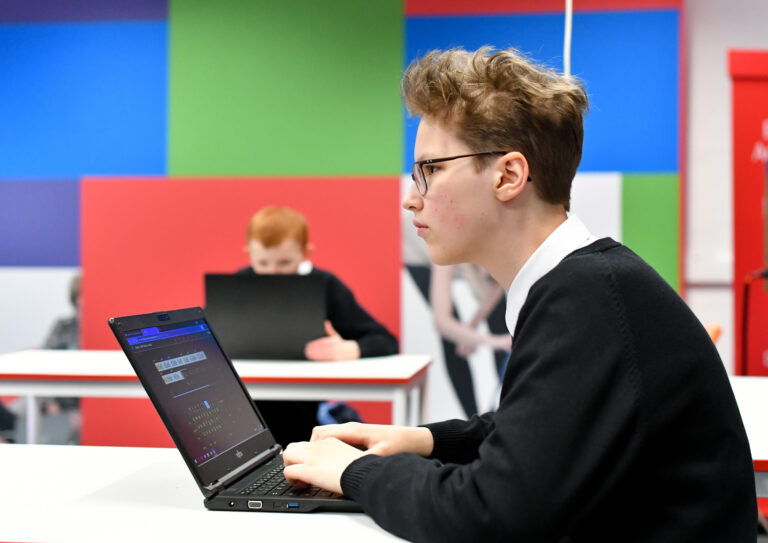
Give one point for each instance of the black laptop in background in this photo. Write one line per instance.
(266, 317)
(207, 410)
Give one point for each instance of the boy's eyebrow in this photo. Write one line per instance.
(420, 156)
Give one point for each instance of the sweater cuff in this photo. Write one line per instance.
(353, 478)
(449, 437)
(377, 345)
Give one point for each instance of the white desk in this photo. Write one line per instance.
(60, 494)
(752, 396)
(399, 379)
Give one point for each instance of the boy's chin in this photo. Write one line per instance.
(443, 258)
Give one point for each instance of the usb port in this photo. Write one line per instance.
(292, 506)
(254, 504)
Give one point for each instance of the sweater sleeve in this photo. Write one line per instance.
(351, 321)
(458, 440)
(565, 430)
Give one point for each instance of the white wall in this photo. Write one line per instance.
(31, 299)
(714, 27)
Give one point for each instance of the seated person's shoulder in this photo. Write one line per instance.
(601, 261)
(247, 270)
(333, 283)
(587, 265)
(319, 272)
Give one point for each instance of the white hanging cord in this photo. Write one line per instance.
(567, 38)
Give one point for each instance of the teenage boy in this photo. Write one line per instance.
(616, 418)
(278, 243)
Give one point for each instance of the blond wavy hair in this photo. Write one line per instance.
(501, 100)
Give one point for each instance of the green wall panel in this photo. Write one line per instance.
(650, 227)
(290, 87)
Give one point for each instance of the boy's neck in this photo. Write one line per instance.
(517, 238)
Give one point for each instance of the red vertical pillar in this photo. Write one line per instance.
(749, 73)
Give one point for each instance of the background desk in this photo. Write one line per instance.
(752, 396)
(399, 379)
(61, 494)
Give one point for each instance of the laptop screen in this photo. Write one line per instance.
(191, 380)
(266, 317)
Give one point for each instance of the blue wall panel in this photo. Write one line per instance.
(39, 223)
(81, 99)
(627, 60)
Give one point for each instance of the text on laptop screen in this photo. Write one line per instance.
(188, 372)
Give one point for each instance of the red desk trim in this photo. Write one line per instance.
(290, 380)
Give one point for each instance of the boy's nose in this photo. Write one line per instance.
(412, 199)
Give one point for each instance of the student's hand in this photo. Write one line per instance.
(320, 463)
(502, 342)
(331, 347)
(381, 439)
(465, 349)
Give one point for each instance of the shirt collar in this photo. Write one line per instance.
(305, 267)
(565, 239)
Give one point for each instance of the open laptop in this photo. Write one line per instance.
(207, 410)
(267, 317)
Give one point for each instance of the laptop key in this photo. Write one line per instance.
(296, 491)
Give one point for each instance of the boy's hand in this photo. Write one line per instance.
(320, 463)
(381, 439)
(331, 347)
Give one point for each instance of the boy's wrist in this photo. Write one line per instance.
(354, 349)
(423, 440)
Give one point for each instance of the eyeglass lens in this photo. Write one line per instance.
(418, 178)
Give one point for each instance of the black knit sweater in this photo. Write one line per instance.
(616, 422)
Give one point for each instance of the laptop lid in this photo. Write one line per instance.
(266, 317)
(197, 393)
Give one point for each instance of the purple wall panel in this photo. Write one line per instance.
(25, 11)
(39, 223)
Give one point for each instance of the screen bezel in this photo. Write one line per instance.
(226, 462)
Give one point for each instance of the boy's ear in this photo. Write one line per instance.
(309, 249)
(511, 176)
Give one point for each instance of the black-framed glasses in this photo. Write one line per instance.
(420, 178)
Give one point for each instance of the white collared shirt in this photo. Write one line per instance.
(305, 267)
(566, 238)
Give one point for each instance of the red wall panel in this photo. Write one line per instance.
(749, 71)
(462, 7)
(146, 243)
(122, 422)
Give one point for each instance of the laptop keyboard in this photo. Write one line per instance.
(273, 483)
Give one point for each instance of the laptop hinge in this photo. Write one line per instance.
(216, 485)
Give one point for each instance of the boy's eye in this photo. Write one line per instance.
(430, 169)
